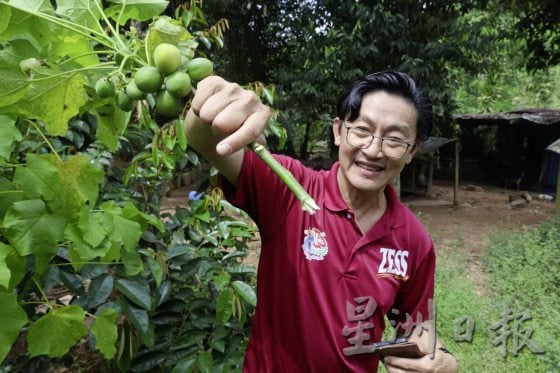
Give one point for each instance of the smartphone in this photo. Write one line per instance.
(400, 347)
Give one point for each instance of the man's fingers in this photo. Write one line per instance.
(395, 364)
(249, 132)
(205, 89)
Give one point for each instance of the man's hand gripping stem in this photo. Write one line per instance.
(224, 118)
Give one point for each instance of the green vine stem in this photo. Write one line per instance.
(110, 25)
(42, 293)
(307, 202)
(45, 139)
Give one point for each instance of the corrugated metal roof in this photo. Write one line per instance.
(535, 116)
(554, 147)
(433, 143)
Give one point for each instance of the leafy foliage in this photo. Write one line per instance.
(81, 183)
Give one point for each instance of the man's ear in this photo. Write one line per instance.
(415, 148)
(336, 130)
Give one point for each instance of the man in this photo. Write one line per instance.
(326, 281)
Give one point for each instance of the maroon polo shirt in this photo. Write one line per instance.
(323, 287)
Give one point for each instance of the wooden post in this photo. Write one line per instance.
(456, 181)
(430, 174)
(558, 190)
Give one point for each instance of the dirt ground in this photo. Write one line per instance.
(481, 209)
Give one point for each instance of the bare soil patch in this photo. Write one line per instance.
(481, 210)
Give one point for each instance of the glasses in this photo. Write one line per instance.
(362, 138)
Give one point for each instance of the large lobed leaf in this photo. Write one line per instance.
(141, 10)
(66, 185)
(12, 267)
(12, 319)
(20, 24)
(54, 333)
(13, 88)
(112, 123)
(83, 12)
(165, 30)
(31, 229)
(8, 135)
(54, 100)
(104, 329)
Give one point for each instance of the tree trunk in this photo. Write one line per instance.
(303, 151)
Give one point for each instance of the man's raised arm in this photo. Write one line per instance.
(223, 119)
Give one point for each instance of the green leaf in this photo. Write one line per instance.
(31, 229)
(80, 180)
(245, 291)
(181, 136)
(138, 316)
(194, 337)
(156, 269)
(23, 25)
(12, 319)
(5, 15)
(39, 178)
(120, 228)
(9, 194)
(73, 45)
(268, 95)
(104, 329)
(205, 362)
(221, 280)
(185, 365)
(99, 290)
(83, 12)
(88, 236)
(66, 186)
(54, 100)
(132, 261)
(5, 273)
(165, 30)
(12, 267)
(8, 135)
(112, 122)
(141, 10)
(137, 290)
(57, 331)
(13, 88)
(224, 308)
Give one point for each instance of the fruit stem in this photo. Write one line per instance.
(307, 202)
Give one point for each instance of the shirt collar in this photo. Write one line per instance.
(334, 202)
(333, 198)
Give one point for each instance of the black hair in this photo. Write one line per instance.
(392, 82)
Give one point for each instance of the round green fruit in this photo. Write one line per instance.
(199, 68)
(104, 88)
(148, 79)
(167, 58)
(167, 104)
(134, 92)
(178, 83)
(124, 102)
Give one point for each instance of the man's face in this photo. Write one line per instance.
(369, 170)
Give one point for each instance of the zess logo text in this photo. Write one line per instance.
(394, 262)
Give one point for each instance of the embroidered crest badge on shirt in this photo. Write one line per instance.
(315, 245)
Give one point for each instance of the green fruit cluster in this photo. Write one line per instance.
(168, 80)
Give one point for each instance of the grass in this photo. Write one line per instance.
(521, 273)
